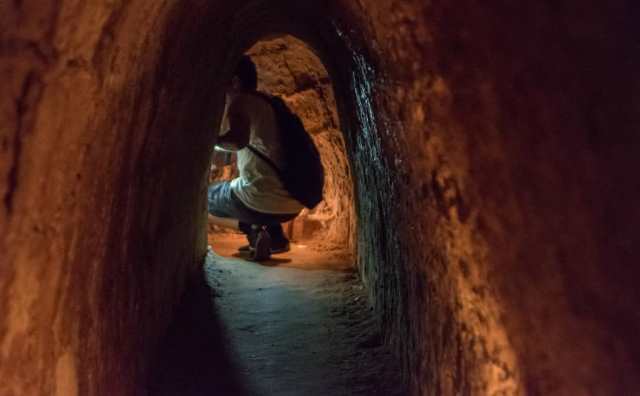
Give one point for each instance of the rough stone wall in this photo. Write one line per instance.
(101, 216)
(511, 132)
(494, 149)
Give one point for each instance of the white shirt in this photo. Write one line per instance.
(258, 186)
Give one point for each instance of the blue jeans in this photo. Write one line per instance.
(224, 203)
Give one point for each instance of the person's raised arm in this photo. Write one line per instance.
(237, 137)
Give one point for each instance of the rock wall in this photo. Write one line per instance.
(494, 150)
(511, 132)
(102, 156)
(517, 137)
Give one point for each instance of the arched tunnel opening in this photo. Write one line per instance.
(492, 152)
(288, 68)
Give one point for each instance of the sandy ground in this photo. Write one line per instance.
(302, 255)
(296, 325)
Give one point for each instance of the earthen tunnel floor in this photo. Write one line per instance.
(297, 325)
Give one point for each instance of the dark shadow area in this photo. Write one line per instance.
(299, 332)
(272, 262)
(194, 358)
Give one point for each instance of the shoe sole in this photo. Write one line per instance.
(249, 249)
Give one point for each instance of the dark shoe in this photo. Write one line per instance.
(251, 234)
(277, 246)
(274, 250)
(262, 250)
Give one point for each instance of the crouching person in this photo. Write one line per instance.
(260, 198)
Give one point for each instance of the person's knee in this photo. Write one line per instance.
(214, 200)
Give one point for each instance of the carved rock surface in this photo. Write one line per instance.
(493, 149)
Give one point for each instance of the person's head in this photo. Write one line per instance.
(245, 77)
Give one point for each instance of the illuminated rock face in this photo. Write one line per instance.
(494, 152)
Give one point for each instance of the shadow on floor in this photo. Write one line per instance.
(272, 262)
(274, 330)
(193, 358)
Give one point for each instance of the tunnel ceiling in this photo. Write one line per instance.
(493, 149)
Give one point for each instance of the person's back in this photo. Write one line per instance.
(258, 185)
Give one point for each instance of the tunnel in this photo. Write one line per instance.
(288, 68)
(491, 154)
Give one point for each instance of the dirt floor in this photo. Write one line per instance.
(302, 255)
(296, 325)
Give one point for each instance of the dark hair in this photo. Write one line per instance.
(246, 72)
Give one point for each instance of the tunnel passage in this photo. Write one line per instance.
(494, 156)
(288, 68)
